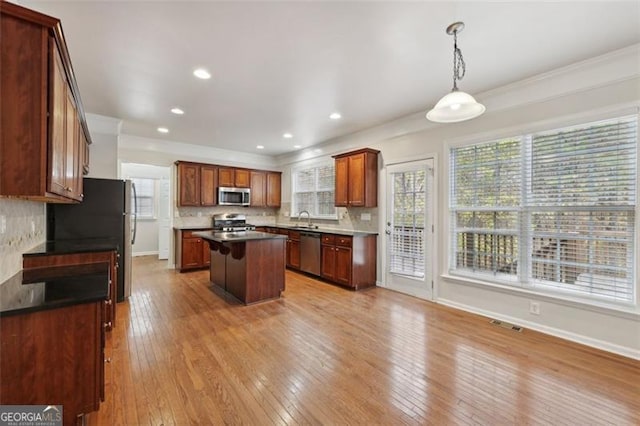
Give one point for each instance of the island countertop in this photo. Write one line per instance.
(235, 237)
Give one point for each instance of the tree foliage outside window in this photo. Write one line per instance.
(313, 190)
(553, 210)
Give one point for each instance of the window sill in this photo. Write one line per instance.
(630, 312)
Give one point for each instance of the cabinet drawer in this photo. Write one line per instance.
(343, 241)
(328, 239)
(189, 234)
(294, 235)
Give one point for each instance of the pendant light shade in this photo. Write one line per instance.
(457, 105)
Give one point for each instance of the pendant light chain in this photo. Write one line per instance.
(459, 67)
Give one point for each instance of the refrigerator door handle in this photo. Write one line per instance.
(135, 213)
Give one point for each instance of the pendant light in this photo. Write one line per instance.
(457, 105)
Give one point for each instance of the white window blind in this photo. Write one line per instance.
(145, 197)
(313, 191)
(555, 210)
(407, 249)
(485, 196)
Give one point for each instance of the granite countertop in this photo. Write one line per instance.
(73, 246)
(225, 237)
(192, 227)
(348, 232)
(66, 289)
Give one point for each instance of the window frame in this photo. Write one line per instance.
(523, 281)
(154, 198)
(315, 166)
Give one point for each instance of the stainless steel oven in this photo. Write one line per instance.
(234, 196)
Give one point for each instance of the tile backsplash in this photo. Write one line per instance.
(353, 218)
(22, 226)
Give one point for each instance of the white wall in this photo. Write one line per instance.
(148, 229)
(590, 90)
(103, 151)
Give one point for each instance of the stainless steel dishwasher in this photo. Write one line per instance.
(310, 252)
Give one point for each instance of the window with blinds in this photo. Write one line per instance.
(144, 197)
(313, 190)
(555, 210)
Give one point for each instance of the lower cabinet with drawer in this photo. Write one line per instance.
(349, 260)
(192, 252)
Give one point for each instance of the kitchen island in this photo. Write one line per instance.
(249, 265)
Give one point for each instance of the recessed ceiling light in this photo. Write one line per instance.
(287, 136)
(177, 111)
(297, 146)
(163, 130)
(202, 73)
(260, 146)
(335, 116)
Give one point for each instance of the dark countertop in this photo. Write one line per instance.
(85, 245)
(191, 227)
(348, 232)
(66, 289)
(225, 237)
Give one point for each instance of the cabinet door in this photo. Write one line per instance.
(72, 150)
(191, 253)
(328, 262)
(208, 185)
(273, 189)
(343, 265)
(293, 254)
(258, 187)
(242, 178)
(342, 182)
(188, 184)
(206, 253)
(226, 176)
(356, 180)
(57, 141)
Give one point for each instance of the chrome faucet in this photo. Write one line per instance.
(308, 217)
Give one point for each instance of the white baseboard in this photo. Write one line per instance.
(144, 253)
(563, 334)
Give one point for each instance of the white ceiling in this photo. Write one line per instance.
(285, 66)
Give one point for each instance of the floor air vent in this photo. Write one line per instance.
(508, 325)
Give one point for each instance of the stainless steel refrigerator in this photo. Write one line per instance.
(107, 213)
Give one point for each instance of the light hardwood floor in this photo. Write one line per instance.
(181, 354)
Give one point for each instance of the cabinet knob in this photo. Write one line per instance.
(107, 324)
(107, 360)
(108, 302)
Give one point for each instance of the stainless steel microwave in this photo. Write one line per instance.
(234, 196)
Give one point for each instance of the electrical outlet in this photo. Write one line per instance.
(3, 224)
(365, 216)
(534, 308)
(33, 227)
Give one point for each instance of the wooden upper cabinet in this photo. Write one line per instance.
(274, 189)
(41, 114)
(243, 178)
(208, 185)
(258, 189)
(197, 184)
(188, 184)
(357, 178)
(232, 177)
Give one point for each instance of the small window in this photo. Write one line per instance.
(314, 191)
(144, 200)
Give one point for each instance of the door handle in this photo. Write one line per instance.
(387, 232)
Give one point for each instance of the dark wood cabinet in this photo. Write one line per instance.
(265, 189)
(234, 177)
(39, 265)
(54, 356)
(357, 178)
(274, 189)
(43, 132)
(192, 252)
(349, 261)
(293, 249)
(197, 184)
(258, 189)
